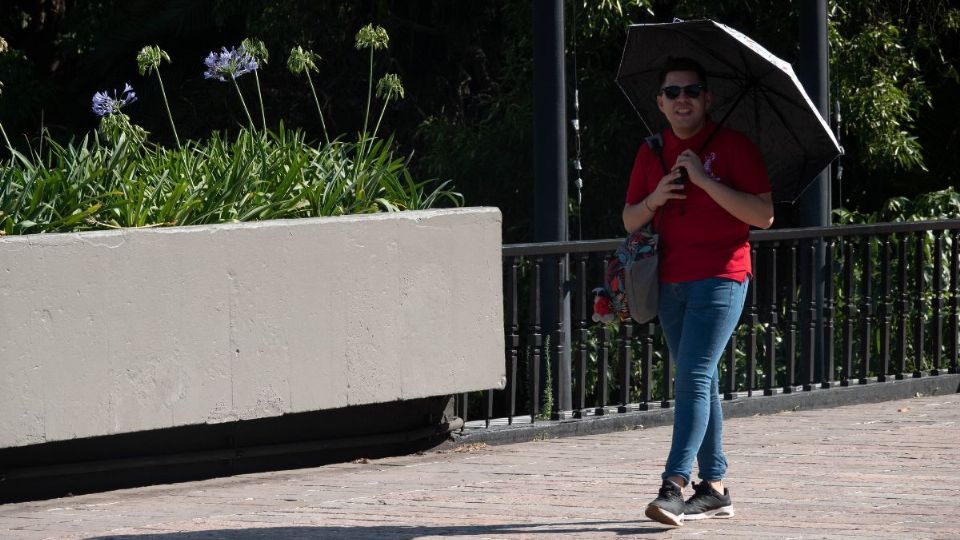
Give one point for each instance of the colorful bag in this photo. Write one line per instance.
(631, 284)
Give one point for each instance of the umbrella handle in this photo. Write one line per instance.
(684, 177)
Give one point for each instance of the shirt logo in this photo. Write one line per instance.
(708, 165)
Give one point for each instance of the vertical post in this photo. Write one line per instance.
(815, 203)
(849, 308)
(866, 307)
(603, 366)
(626, 365)
(919, 305)
(809, 298)
(753, 320)
(886, 304)
(954, 305)
(513, 334)
(730, 375)
(937, 302)
(646, 365)
(560, 347)
(790, 375)
(536, 340)
(902, 305)
(828, 371)
(770, 375)
(603, 358)
(550, 174)
(583, 337)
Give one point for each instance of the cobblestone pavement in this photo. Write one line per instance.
(886, 470)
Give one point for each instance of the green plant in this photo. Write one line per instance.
(117, 178)
(546, 400)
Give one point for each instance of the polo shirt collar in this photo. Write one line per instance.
(670, 139)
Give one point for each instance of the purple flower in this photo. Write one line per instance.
(232, 63)
(104, 105)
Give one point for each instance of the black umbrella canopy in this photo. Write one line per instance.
(754, 92)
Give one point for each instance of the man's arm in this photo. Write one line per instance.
(756, 210)
(638, 215)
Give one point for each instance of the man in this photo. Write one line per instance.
(702, 191)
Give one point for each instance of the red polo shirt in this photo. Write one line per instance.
(698, 238)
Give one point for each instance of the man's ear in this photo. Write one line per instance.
(660, 102)
(707, 99)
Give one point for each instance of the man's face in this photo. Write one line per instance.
(685, 114)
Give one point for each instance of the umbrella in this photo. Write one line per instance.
(754, 92)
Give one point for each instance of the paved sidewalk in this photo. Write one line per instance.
(886, 470)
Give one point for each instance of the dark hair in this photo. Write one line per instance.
(682, 63)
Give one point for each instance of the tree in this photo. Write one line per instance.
(893, 70)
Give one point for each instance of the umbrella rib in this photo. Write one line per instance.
(710, 52)
(776, 92)
(782, 119)
(804, 164)
(640, 116)
(739, 74)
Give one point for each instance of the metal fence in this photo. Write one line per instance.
(888, 309)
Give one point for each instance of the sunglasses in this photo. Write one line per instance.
(691, 90)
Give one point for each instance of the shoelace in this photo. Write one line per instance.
(665, 492)
(702, 489)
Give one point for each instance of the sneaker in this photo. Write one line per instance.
(707, 502)
(668, 507)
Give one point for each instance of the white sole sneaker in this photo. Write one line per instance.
(722, 512)
(656, 513)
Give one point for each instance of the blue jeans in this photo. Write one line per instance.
(698, 318)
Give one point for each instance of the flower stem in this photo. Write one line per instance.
(244, 103)
(163, 92)
(366, 116)
(263, 113)
(377, 127)
(313, 90)
(366, 119)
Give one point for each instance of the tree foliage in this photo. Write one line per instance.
(893, 72)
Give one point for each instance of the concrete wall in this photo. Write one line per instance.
(120, 331)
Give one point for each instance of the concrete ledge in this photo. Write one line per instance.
(121, 331)
(747, 406)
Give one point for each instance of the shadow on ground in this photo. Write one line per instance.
(396, 532)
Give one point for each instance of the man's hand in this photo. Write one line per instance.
(639, 214)
(691, 161)
(668, 188)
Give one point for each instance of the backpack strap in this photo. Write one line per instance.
(655, 142)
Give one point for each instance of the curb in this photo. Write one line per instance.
(855, 394)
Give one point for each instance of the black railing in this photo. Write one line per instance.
(889, 311)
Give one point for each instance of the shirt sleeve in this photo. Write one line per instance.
(751, 173)
(637, 189)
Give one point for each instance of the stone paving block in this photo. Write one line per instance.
(885, 470)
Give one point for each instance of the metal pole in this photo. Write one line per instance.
(815, 204)
(550, 179)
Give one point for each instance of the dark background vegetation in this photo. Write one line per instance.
(467, 70)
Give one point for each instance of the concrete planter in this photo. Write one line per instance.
(140, 329)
